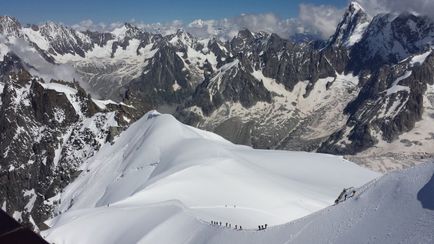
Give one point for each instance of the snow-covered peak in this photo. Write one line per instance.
(120, 32)
(181, 37)
(355, 7)
(52, 28)
(9, 26)
(245, 34)
(128, 30)
(55, 31)
(160, 162)
(391, 38)
(159, 159)
(352, 26)
(198, 23)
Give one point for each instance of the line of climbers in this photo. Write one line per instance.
(237, 227)
(228, 225)
(262, 227)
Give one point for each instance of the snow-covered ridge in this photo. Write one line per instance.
(397, 207)
(160, 165)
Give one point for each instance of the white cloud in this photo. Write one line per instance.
(90, 25)
(227, 28)
(322, 18)
(424, 7)
(314, 19)
(223, 28)
(37, 66)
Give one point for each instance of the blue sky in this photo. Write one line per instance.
(70, 12)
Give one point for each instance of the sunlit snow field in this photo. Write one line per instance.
(163, 173)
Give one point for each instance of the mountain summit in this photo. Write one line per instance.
(351, 27)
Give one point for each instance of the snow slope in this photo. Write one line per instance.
(161, 175)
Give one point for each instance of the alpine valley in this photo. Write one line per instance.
(287, 122)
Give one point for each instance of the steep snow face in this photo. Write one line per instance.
(163, 174)
(391, 39)
(352, 26)
(397, 208)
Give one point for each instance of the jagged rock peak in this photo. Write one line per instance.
(53, 30)
(355, 7)
(128, 30)
(352, 26)
(183, 35)
(53, 26)
(133, 29)
(242, 40)
(9, 26)
(245, 34)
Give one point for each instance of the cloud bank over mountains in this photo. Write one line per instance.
(317, 20)
(422, 7)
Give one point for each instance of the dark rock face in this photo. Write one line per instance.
(12, 232)
(9, 26)
(235, 85)
(389, 39)
(45, 134)
(375, 100)
(277, 58)
(157, 85)
(45, 104)
(100, 39)
(236, 131)
(64, 40)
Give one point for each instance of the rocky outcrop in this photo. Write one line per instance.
(47, 130)
(389, 104)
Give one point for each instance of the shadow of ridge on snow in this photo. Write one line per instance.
(426, 195)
